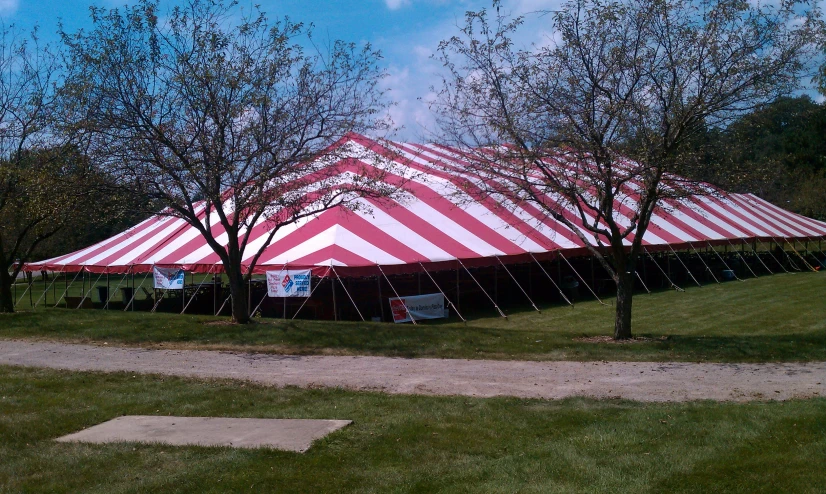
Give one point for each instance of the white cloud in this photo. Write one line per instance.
(396, 4)
(8, 7)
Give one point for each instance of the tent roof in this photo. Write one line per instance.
(433, 226)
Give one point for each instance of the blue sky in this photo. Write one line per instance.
(406, 31)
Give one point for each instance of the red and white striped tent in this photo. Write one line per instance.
(432, 228)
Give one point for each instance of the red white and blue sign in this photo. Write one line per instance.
(289, 283)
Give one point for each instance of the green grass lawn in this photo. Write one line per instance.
(405, 443)
(772, 318)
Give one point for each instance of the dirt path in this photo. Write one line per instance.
(644, 381)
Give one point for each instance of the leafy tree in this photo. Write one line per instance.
(609, 109)
(225, 118)
(45, 185)
(777, 152)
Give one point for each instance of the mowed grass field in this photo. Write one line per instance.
(771, 318)
(405, 443)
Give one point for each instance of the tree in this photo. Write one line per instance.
(45, 184)
(599, 119)
(225, 118)
(777, 152)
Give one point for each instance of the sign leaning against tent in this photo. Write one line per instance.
(430, 306)
(289, 283)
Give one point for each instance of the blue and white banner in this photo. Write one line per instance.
(289, 283)
(168, 278)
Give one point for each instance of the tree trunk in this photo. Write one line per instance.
(238, 289)
(622, 324)
(6, 298)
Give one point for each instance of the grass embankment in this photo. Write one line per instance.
(772, 318)
(406, 443)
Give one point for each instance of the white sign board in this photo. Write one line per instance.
(430, 306)
(289, 283)
(168, 278)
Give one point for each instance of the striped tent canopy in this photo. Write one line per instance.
(433, 226)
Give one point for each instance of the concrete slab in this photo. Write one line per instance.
(284, 434)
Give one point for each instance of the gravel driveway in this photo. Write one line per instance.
(643, 381)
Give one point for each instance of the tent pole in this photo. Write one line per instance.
(757, 256)
(449, 303)
(31, 289)
(333, 288)
(311, 294)
(348, 293)
(458, 301)
(43, 297)
(483, 290)
(723, 260)
(684, 265)
(91, 286)
(381, 298)
(798, 255)
(821, 263)
(742, 258)
(775, 259)
(668, 278)
(412, 319)
(199, 287)
(791, 262)
(29, 285)
(552, 280)
(109, 294)
(704, 263)
(517, 284)
(134, 290)
(581, 279)
(66, 279)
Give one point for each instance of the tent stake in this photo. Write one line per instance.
(673, 285)
(517, 284)
(483, 290)
(684, 265)
(552, 280)
(580, 278)
(704, 263)
(311, 294)
(449, 303)
(742, 258)
(412, 319)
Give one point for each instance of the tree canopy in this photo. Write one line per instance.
(600, 118)
(228, 118)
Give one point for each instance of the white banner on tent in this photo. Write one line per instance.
(430, 306)
(289, 283)
(168, 278)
